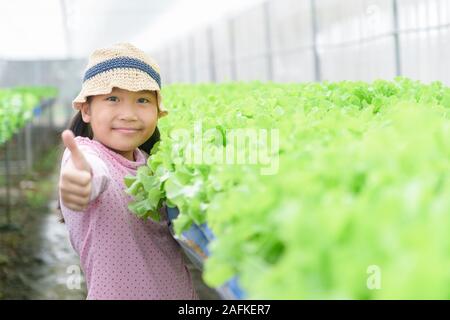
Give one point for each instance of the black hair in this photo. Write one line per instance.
(83, 129)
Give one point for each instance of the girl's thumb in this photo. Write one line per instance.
(78, 159)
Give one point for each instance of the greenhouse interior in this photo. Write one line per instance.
(225, 150)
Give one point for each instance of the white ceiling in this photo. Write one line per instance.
(46, 29)
(59, 29)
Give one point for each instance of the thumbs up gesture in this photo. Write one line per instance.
(76, 177)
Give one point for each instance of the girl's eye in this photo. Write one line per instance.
(143, 100)
(112, 98)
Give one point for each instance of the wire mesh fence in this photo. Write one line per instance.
(19, 154)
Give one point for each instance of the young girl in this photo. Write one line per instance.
(122, 256)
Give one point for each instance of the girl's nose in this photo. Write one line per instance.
(128, 116)
(128, 112)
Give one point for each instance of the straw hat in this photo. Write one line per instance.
(123, 66)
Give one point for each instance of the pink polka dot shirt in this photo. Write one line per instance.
(121, 255)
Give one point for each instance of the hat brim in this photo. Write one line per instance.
(127, 79)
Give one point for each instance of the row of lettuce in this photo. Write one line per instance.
(17, 105)
(349, 196)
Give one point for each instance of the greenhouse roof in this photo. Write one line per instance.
(59, 29)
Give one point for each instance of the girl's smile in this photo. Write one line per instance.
(127, 130)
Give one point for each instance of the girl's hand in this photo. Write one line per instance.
(76, 177)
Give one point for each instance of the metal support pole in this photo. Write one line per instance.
(192, 60)
(212, 60)
(28, 145)
(50, 116)
(314, 28)
(67, 35)
(232, 49)
(32, 140)
(18, 152)
(48, 107)
(269, 53)
(8, 184)
(398, 65)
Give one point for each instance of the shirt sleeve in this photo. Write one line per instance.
(99, 170)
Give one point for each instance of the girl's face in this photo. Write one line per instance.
(122, 120)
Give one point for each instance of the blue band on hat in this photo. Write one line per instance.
(122, 62)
